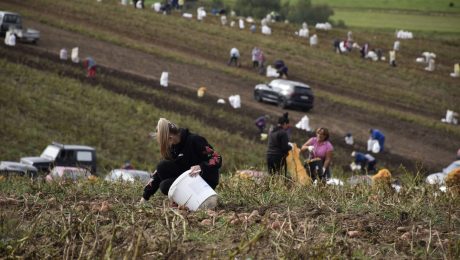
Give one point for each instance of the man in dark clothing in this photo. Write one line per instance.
(261, 123)
(278, 147)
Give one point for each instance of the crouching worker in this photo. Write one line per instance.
(181, 151)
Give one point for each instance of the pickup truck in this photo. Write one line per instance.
(57, 154)
(12, 22)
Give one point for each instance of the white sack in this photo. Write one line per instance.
(304, 123)
(304, 33)
(235, 101)
(376, 147)
(164, 79)
(74, 56)
(266, 30)
(223, 20)
(373, 145)
(349, 140)
(456, 72)
(63, 54)
(272, 72)
(431, 65)
(187, 15)
(241, 24)
(156, 7)
(396, 45)
(313, 40)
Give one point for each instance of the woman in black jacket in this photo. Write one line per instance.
(182, 151)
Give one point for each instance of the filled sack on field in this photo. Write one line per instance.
(272, 72)
(373, 146)
(156, 7)
(304, 123)
(304, 33)
(63, 54)
(187, 15)
(164, 79)
(235, 101)
(295, 168)
(200, 92)
(323, 26)
(314, 40)
(382, 178)
(453, 181)
(74, 55)
(266, 30)
(456, 72)
(256, 176)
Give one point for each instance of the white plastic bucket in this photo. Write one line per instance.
(192, 192)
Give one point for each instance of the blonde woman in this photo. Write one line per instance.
(182, 151)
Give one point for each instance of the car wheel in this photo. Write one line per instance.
(282, 103)
(257, 97)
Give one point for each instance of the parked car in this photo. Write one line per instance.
(57, 154)
(64, 173)
(10, 21)
(128, 175)
(17, 169)
(285, 93)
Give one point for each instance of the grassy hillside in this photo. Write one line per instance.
(350, 74)
(79, 112)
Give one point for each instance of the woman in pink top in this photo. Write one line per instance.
(320, 148)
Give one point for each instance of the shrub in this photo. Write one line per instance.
(256, 8)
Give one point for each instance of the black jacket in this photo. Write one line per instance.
(278, 143)
(195, 150)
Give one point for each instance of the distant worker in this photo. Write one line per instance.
(90, 66)
(392, 54)
(261, 122)
(349, 139)
(261, 62)
(255, 55)
(234, 57)
(278, 147)
(376, 134)
(366, 161)
(364, 50)
(281, 68)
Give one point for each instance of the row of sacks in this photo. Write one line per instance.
(234, 100)
(401, 34)
(383, 179)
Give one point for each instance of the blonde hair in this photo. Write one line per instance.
(164, 130)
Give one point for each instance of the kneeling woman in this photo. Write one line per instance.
(182, 151)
